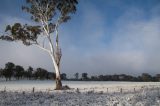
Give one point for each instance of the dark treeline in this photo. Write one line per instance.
(12, 71)
(145, 77)
(18, 72)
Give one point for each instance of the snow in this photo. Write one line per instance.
(90, 93)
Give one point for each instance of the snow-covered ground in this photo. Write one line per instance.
(89, 93)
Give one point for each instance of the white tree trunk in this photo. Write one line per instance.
(57, 70)
(54, 53)
(55, 66)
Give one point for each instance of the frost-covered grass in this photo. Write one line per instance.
(19, 93)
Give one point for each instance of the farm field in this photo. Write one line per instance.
(82, 93)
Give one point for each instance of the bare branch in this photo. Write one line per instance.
(41, 47)
(44, 42)
(42, 22)
(48, 36)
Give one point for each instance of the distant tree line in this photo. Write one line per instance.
(144, 77)
(12, 71)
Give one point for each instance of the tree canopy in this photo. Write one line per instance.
(48, 15)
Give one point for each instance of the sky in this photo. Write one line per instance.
(103, 37)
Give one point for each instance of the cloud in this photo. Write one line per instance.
(130, 46)
(133, 49)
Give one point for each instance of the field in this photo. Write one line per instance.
(89, 93)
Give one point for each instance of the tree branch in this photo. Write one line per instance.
(41, 47)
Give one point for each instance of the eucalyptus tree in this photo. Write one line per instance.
(49, 15)
(76, 76)
(1, 70)
(19, 71)
(8, 70)
(84, 76)
(29, 72)
(41, 73)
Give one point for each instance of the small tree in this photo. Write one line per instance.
(49, 14)
(29, 72)
(64, 76)
(157, 77)
(1, 70)
(40, 73)
(8, 70)
(146, 77)
(84, 76)
(51, 75)
(19, 71)
(76, 76)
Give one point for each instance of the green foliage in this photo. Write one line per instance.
(8, 70)
(19, 70)
(9, 65)
(27, 34)
(63, 76)
(84, 76)
(40, 73)
(52, 12)
(146, 77)
(49, 9)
